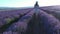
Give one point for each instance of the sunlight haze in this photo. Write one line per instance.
(27, 3)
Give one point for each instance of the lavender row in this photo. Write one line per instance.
(8, 16)
(13, 12)
(21, 25)
(55, 12)
(51, 24)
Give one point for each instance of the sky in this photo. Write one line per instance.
(27, 3)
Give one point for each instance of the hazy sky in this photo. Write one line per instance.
(27, 3)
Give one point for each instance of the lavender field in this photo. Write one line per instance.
(54, 10)
(37, 20)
